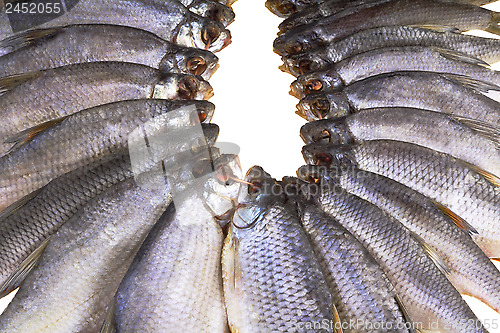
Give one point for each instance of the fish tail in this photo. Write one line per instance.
(494, 26)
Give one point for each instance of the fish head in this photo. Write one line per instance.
(300, 64)
(320, 180)
(204, 34)
(259, 192)
(204, 112)
(281, 8)
(316, 82)
(298, 40)
(333, 131)
(329, 155)
(182, 86)
(323, 105)
(190, 61)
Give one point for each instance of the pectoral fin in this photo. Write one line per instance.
(10, 82)
(27, 37)
(457, 56)
(433, 255)
(472, 83)
(459, 222)
(29, 134)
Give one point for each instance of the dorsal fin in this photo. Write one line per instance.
(472, 83)
(459, 222)
(27, 37)
(17, 205)
(9, 82)
(18, 276)
(29, 134)
(433, 255)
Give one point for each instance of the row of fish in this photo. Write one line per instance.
(403, 147)
(96, 104)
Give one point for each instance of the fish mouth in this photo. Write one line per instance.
(205, 34)
(197, 66)
(313, 108)
(214, 39)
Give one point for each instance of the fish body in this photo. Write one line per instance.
(359, 286)
(471, 271)
(272, 278)
(456, 95)
(442, 178)
(54, 93)
(390, 13)
(285, 8)
(41, 49)
(393, 59)
(434, 130)
(27, 227)
(179, 268)
(324, 9)
(424, 290)
(486, 49)
(100, 132)
(169, 20)
(73, 283)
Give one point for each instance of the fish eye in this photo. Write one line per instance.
(224, 174)
(187, 88)
(324, 135)
(313, 85)
(197, 66)
(325, 159)
(286, 8)
(210, 34)
(320, 108)
(255, 186)
(312, 179)
(305, 66)
(294, 47)
(199, 117)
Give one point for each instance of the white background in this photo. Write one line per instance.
(254, 109)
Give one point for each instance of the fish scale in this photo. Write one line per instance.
(28, 227)
(395, 12)
(435, 175)
(61, 46)
(59, 92)
(272, 278)
(102, 131)
(72, 284)
(456, 95)
(395, 59)
(486, 49)
(168, 19)
(359, 287)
